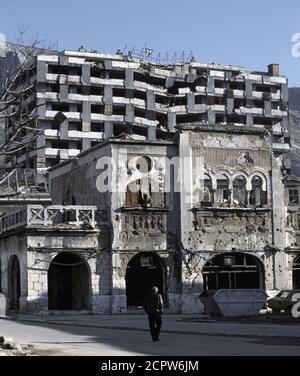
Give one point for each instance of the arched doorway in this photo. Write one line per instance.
(296, 273)
(233, 271)
(68, 283)
(14, 283)
(143, 271)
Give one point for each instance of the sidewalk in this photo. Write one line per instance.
(172, 323)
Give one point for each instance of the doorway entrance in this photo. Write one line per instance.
(143, 271)
(68, 283)
(14, 283)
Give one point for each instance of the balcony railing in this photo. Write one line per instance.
(40, 216)
(143, 222)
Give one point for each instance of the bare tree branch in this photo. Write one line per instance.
(18, 111)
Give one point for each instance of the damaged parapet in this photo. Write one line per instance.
(84, 98)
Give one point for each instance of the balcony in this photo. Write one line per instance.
(144, 227)
(35, 216)
(251, 219)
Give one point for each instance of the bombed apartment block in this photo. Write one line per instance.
(83, 98)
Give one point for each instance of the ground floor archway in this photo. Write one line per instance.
(14, 283)
(143, 271)
(234, 270)
(68, 283)
(296, 273)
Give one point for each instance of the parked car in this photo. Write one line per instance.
(283, 301)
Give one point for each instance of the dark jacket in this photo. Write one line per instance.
(153, 303)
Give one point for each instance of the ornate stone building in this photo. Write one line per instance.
(186, 187)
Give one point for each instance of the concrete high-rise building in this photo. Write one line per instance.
(83, 98)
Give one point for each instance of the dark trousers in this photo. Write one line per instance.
(155, 324)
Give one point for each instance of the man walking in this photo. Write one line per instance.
(153, 305)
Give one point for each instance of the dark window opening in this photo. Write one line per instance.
(220, 118)
(121, 129)
(236, 85)
(59, 144)
(262, 88)
(206, 194)
(52, 88)
(119, 110)
(98, 72)
(75, 89)
(97, 109)
(200, 99)
(64, 69)
(294, 196)
(161, 99)
(97, 127)
(296, 273)
(262, 120)
(236, 119)
(258, 197)
(258, 104)
(96, 90)
(75, 126)
(275, 105)
(117, 74)
(219, 84)
(140, 130)
(238, 102)
(139, 112)
(240, 192)
(223, 193)
(139, 94)
(119, 93)
(189, 118)
(61, 107)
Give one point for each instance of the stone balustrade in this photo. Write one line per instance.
(38, 215)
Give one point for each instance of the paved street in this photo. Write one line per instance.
(61, 339)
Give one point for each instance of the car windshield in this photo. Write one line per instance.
(283, 294)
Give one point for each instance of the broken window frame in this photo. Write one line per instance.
(207, 197)
(257, 196)
(223, 193)
(239, 191)
(141, 192)
(293, 196)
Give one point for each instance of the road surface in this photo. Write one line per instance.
(53, 339)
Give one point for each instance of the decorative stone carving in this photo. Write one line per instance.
(143, 224)
(252, 221)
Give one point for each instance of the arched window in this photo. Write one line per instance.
(223, 193)
(258, 197)
(239, 191)
(206, 194)
(143, 191)
(233, 271)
